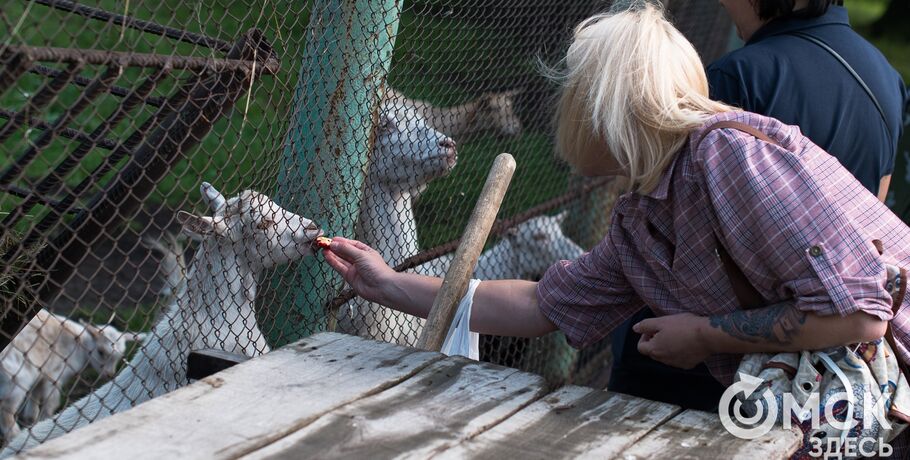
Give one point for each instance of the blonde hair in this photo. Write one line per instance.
(633, 88)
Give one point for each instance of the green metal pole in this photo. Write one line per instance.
(347, 58)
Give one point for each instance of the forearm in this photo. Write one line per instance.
(501, 307)
(410, 293)
(783, 328)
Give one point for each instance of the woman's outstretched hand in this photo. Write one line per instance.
(360, 266)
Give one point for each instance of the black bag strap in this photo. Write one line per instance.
(850, 70)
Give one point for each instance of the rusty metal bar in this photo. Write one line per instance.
(82, 81)
(181, 130)
(56, 177)
(25, 193)
(138, 24)
(15, 63)
(117, 154)
(68, 133)
(24, 160)
(130, 59)
(40, 100)
(498, 229)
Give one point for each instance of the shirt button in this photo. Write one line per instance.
(815, 251)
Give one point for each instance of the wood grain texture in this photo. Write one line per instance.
(696, 435)
(455, 283)
(247, 406)
(572, 422)
(449, 401)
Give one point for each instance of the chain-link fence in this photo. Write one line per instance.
(346, 114)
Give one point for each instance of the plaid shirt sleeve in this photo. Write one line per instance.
(588, 297)
(783, 225)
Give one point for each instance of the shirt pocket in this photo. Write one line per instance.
(830, 278)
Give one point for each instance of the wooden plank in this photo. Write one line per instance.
(445, 403)
(247, 406)
(696, 434)
(569, 423)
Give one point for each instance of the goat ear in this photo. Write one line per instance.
(561, 217)
(216, 201)
(93, 332)
(201, 226)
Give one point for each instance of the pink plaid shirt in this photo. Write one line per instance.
(795, 221)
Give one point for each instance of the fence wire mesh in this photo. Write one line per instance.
(112, 113)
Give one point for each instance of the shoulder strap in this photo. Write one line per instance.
(739, 126)
(745, 292)
(850, 70)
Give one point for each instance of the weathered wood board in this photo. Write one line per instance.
(337, 396)
(445, 403)
(573, 422)
(698, 435)
(247, 406)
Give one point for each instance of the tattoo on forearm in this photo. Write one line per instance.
(776, 324)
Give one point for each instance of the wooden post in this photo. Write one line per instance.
(349, 48)
(475, 235)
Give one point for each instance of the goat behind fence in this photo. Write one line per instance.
(242, 237)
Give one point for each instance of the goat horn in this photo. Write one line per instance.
(215, 199)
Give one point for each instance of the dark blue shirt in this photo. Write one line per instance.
(796, 81)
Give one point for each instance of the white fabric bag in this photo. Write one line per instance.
(460, 340)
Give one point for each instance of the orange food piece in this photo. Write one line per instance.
(323, 242)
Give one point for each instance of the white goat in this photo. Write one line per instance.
(526, 251)
(407, 154)
(245, 235)
(49, 352)
(489, 112)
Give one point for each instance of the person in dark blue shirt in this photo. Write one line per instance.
(781, 74)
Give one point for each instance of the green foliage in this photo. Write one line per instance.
(892, 43)
(865, 12)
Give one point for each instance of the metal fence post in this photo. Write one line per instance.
(347, 57)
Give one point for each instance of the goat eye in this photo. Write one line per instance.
(539, 237)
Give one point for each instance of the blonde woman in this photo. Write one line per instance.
(798, 225)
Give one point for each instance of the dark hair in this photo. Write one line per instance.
(770, 9)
